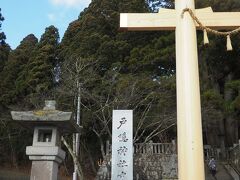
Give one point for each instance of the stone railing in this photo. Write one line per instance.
(234, 157)
(154, 148)
(150, 148)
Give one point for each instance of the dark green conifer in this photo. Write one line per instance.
(4, 48)
(17, 60)
(37, 76)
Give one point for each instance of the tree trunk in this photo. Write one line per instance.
(75, 160)
(203, 70)
(90, 158)
(101, 142)
(230, 124)
(102, 147)
(222, 138)
(77, 140)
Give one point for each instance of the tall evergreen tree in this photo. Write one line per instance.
(2, 35)
(96, 34)
(37, 76)
(4, 48)
(17, 60)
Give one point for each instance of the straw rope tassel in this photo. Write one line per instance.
(209, 30)
(205, 37)
(229, 44)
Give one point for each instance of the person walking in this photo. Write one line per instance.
(212, 167)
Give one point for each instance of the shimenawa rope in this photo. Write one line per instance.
(206, 29)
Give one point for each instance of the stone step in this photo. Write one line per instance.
(221, 174)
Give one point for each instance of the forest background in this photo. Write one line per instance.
(109, 69)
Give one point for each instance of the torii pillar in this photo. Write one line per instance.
(189, 125)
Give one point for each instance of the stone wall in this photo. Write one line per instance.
(155, 166)
(146, 167)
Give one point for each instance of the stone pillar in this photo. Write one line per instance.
(45, 162)
(48, 125)
(47, 171)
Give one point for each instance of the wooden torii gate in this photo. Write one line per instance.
(189, 125)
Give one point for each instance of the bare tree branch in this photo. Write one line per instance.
(79, 168)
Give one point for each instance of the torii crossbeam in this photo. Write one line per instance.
(189, 125)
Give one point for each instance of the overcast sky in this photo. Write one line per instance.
(23, 17)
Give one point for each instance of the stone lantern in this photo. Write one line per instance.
(48, 126)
